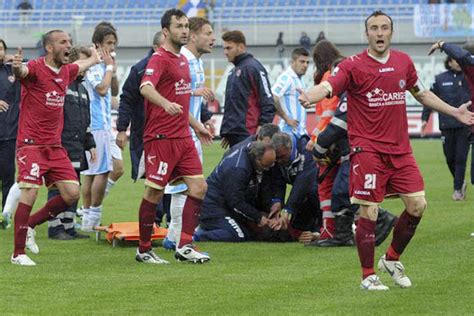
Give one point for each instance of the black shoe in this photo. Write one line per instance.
(384, 225)
(343, 236)
(61, 236)
(79, 236)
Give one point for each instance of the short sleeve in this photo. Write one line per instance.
(281, 86)
(32, 66)
(153, 71)
(339, 80)
(94, 75)
(412, 77)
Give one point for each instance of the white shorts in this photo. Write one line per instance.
(103, 148)
(116, 152)
(182, 187)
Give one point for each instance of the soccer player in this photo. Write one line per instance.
(382, 161)
(248, 99)
(170, 153)
(286, 92)
(39, 154)
(201, 41)
(101, 83)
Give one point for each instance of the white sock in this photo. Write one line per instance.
(12, 200)
(176, 212)
(109, 186)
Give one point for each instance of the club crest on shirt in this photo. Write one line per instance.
(402, 84)
(11, 79)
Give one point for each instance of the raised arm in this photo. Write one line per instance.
(19, 70)
(85, 64)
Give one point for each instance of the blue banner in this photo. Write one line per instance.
(444, 20)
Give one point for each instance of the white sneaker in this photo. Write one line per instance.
(373, 283)
(396, 271)
(22, 260)
(149, 257)
(94, 220)
(86, 224)
(30, 241)
(189, 253)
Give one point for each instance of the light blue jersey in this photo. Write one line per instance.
(285, 89)
(101, 118)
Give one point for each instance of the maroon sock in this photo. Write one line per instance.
(402, 234)
(22, 215)
(52, 208)
(191, 210)
(146, 218)
(365, 240)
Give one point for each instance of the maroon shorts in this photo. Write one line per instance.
(168, 160)
(374, 176)
(38, 162)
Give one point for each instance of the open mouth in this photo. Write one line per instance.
(380, 42)
(66, 54)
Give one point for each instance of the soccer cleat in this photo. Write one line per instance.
(30, 241)
(396, 271)
(22, 260)
(168, 244)
(190, 253)
(457, 195)
(373, 283)
(149, 257)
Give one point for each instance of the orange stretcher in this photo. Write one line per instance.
(128, 231)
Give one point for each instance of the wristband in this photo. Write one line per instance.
(109, 68)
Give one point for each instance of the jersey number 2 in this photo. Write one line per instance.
(370, 181)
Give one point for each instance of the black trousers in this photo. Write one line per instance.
(456, 149)
(7, 167)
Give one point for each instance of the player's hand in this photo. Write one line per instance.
(264, 221)
(435, 46)
(303, 98)
(17, 61)
(293, 123)
(463, 114)
(173, 108)
(309, 145)
(204, 135)
(106, 57)
(3, 106)
(423, 128)
(93, 154)
(206, 93)
(121, 139)
(275, 210)
(224, 143)
(281, 222)
(209, 125)
(306, 237)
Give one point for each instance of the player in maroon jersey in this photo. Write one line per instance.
(39, 152)
(382, 161)
(170, 154)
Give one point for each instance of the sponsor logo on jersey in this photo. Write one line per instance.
(58, 80)
(386, 69)
(448, 83)
(53, 98)
(378, 97)
(182, 87)
(182, 63)
(149, 72)
(360, 192)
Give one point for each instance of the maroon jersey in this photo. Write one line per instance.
(376, 114)
(169, 74)
(42, 100)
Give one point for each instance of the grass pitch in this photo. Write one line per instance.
(84, 277)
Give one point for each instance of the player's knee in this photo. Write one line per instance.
(198, 189)
(417, 206)
(369, 211)
(71, 196)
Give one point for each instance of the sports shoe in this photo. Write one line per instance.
(373, 283)
(396, 271)
(149, 257)
(457, 195)
(30, 241)
(86, 225)
(62, 235)
(168, 244)
(190, 253)
(94, 220)
(22, 260)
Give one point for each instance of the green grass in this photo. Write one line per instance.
(85, 277)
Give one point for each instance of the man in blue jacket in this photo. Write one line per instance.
(9, 109)
(248, 98)
(451, 87)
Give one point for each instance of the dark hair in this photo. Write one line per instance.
(101, 31)
(469, 47)
(324, 54)
(378, 13)
(234, 36)
(107, 24)
(75, 52)
(157, 38)
(297, 52)
(166, 18)
(46, 38)
(267, 130)
(258, 149)
(4, 44)
(196, 23)
(280, 140)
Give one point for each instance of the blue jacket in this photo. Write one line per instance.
(233, 187)
(10, 89)
(452, 88)
(248, 98)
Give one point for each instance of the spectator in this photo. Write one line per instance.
(321, 37)
(9, 111)
(451, 87)
(305, 41)
(280, 48)
(248, 99)
(25, 9)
